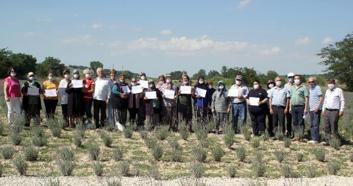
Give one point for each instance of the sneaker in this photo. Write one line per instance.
(313, 142)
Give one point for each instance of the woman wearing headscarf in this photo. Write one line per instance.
(170, 106)
(184, 103)
(75, 100)
(201, 101)
(136, 106)
(12, 94)
(31, 103)
(219, 106)
(50, 101)
(119, 98)
(153, 106)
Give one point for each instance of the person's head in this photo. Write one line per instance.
(99, 72)
(161, 78)
(168, 80)
(312, 81)
(331, 84)
(133, 81)
(30, 76)
(297, 79)
(11, 72)
(112, 74)
(76, 74)
(201, 80)
(220, 85)
(210, 83)
(238, 79)
(50, 76)
(122, 78)
(66, 74)
(151, 84)
(169, 85)
(88, 73)
(270, 84)
(256, 84)
(185, 79)
(290, 77)
(278, 81)
(143, 76)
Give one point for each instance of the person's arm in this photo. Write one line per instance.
(213, 102)
(306, 100)
(7, 97)
(324, 104)
(341, 103)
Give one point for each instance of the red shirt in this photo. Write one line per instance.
(13, 87)
(88, 92)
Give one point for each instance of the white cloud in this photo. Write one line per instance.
(96, 26)
(243, 3)
(84, 39)
(272, 51)
(166, 32)
(303, 40)
(327, 40)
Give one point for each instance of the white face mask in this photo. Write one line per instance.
(168, 81)
(13, 74)
(201, 81)
(278, 83)
(256, 86)
(121, 80)
(270, 85)
(237, 82)
(297, 81)
(221, 87)
(50, 77)
(67, 76)
(88, 76)
(31, 78)
(143, 77)
(151, 86)
(76, 76)
(331, 86)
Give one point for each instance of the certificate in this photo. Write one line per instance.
(233, 92)
(201, 92)
(125, 89)
(143, 83)
(185, 89)
(63, 84)
(151, 95)
(136, 89)
(50, 93)
(77, 83)
(170, 94)
(253, 101)
(33, 91)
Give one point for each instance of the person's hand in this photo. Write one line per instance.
(271, 111)
(228, 110)
(212, 110)
(316, 110)
(290, 110)
(324, 113)
(145, 98)
(341, 114)
(285, 111)
(7, 99)
(305, 110)
(70, 85)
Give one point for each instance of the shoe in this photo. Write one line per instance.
(313, 142)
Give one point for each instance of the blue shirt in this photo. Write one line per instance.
(279, 96)
(314, 97)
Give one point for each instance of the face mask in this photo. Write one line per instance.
(270, 86)
(12, 74)
(297, 81)
(66, 76)
(331, 86)
(290, 80)
(50, 77)
(221, 87)
(237, 82)
(185, 82)
(133, 84)
(209, 86)
(256, 86)
(121, 80)
(76, 76)
(88, 76)
(201, 81)
(168, 81)
(31, 78)
(143, 77)
(151, 86)
(278, 83)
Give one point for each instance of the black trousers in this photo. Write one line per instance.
(100, 115)
(258, 122)
(88, 108)
(289, 125)
(65, 114)
(50, 107)
(270, 122)
(278, 117)
(140, 113)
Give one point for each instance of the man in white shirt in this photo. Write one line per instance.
(111, 83)
(287, 86)
(333, 108)
(100, 98)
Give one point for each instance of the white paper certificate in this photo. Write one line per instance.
(233, 92)
(136, 89)
(169, 93)
(33, 91)
(151, 95)
(253, 101)
(185, 89)
(50, 93)
(201, 92)
(126, 89)
(63, 84)
(77, 83)
(143, 83)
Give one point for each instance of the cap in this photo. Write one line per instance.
(220, 82)
(30, 74)
(76, 71)
(291, 74)
(87, 71)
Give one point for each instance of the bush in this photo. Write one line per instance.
(162, 133)
(118, 154)
(107, 140)
(300, 157)
(241, 153)
(2, 129)
(201, 133)
(246, 134)
(55, 128)
(54, 182)
(150, 142)
(229, 137)
(217, 153)
(93, 151)
(184, 132)
(286, 171)
(287, 142)
(173, 143)
(7, 152)
(15, 138)
(255, 142)
(258, 169)
(1, 170)
(259, 156)
(205, 143)
(200, 154)
(319, 154)
(333, 167)
(128, 131)
(123, 168)
(66, 167)
(143, 134)
(197, 170)
(66, 153)
(18, 125)
(279, 155)
(31, 153)
(154, 172)
(39, 139)
(114, 183)
(157, 152)
(335, 143)
(177, 155)
(78, 140)
(80, 130)
(20, 165)
(98, 168)
(232, 171)
(351, 157)
(311, 171)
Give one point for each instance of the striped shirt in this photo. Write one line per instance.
(334, 99)
(314, 98)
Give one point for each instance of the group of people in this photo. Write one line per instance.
(141, 101)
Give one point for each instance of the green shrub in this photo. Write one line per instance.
(241, 153)
(118, 154)
(177, 155)
(77, 140)
(39, 139)
(232, 171)
(93, 151)
(246, 134)
(1, 170)
(31, 153)
(143, 134)
(217, 153)
(279, 155)
(18, 125)
(7, 152)
(54, 182)
(173, 143)
(311, 171)
(66, 167)
(114, 183)
(123, 168)
(66, 153)
(20, 165)
(335, 143)
(150, 142)
(15, 138)
(128, 131)
(199, 154)
(255, 142)
(300, 157)
(286, 171)
(2, 130)
(184, 132)
(55, 128)
(319, 154)
(162, 133)
(258, 168)
(197, 170)
(98, 168)
(107, 140)
(259, 156)
(229, 137)
(80, 130)
(157, 152)
(351, 157)
(201, 134)
(287, 142)
(154, 172)
(333, 167)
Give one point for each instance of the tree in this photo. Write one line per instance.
(338, 58)
(176, 75)
(96, 64)
(212, 73)
(4, 61)
(271, 75)
(50, 64)
(201, 72)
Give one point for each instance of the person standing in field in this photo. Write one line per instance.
(333, 109)
(238, 103)
(219, 106)
(270, 85)
(31, 102)
(278, 103)
(299, 98)
(136, 106)
(75, 108)
(12, 94)
(315, 106)
(111, 83)
(50, 101)
(119, 98)
(153, 106)
(201, 101)
(88, 90)
(288, 86)
(169, 104)
(184, 103)
(211, 90)
(64, 96)
(101, 96)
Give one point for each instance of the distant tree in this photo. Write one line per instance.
(176, 75)
(271, 75)
(201, 72)
(23, 63)
(224, 71)
(338, 58)
(4, 61)
(50, 64)
(212, 73)
(96, 64)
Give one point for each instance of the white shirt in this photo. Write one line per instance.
(334, 99)
(62, 93)
(242, 90)
(101, 89)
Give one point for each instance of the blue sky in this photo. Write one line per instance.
(161, 36)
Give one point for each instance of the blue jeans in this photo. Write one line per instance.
(315, 125)
(239, 113)
(298, 120)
